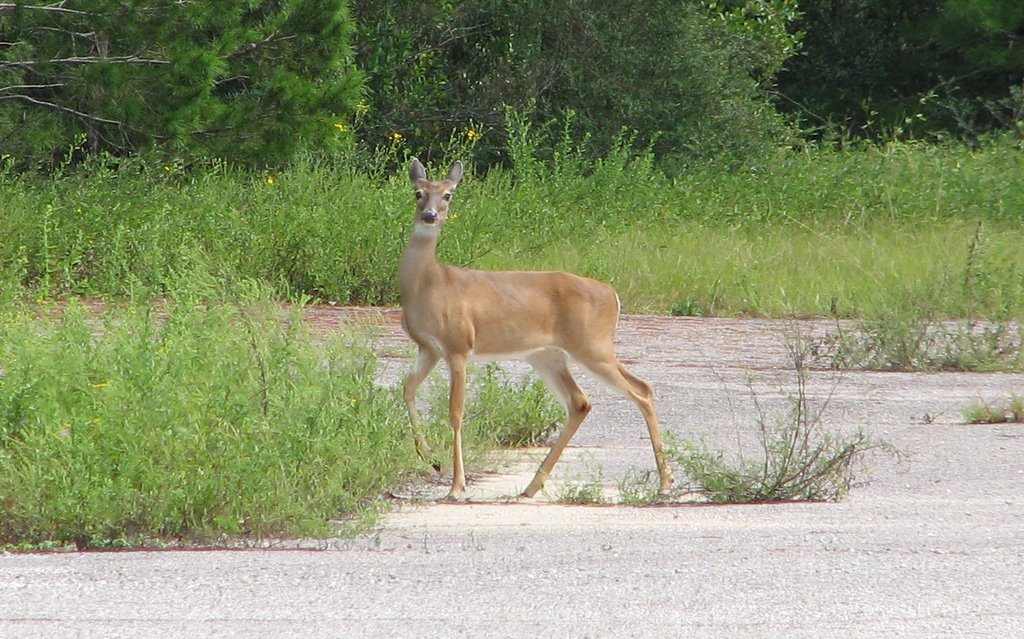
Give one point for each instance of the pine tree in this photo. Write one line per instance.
(250, 81)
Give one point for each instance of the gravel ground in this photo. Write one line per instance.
(932, 546)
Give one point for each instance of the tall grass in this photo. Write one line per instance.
(114, 233)
(800, 270)
(819, 232)
(801, 233)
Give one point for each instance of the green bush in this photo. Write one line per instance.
(195, 421)
(499, 412)
(512, 414)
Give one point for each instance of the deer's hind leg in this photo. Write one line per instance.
(615, 375)
(552, 365)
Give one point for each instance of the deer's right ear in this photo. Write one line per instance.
(416, 171)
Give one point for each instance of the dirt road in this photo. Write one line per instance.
(930, 547)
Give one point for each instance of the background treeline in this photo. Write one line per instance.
(256, 82)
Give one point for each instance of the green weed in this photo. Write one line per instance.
(1010, 411)
(499, 412)
(639, 488)
(916, 342)
(800, 458)
(582, 493)
(687, 308)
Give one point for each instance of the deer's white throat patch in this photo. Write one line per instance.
(424, 230)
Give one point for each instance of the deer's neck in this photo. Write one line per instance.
(419, 267)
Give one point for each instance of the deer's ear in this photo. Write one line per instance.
(455, 173)
(416, 171)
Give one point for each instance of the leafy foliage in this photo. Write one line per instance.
(257, 81)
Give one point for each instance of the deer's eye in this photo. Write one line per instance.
(447, 197)
(419, 194)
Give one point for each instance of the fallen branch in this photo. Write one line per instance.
(63, 109)
(128, 59)
(10, 6)
(22, 87)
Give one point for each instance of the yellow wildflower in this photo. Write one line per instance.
(396, 137)
(270, 180)
(341, 127)
(472, 134)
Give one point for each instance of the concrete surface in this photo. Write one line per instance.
(932, 546)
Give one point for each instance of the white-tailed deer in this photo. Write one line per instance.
(544, 318)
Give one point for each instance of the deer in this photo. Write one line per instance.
(545, 318)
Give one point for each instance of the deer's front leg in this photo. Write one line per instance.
(425, 362)
(456, 403)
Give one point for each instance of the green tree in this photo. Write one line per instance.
(979, 68)
(876, 68)
(246, 80)
(677, 72)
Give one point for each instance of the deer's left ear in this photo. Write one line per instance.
(455, 173)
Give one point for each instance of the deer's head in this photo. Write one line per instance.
(432, 198)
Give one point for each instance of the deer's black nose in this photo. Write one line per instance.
(429, 216)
